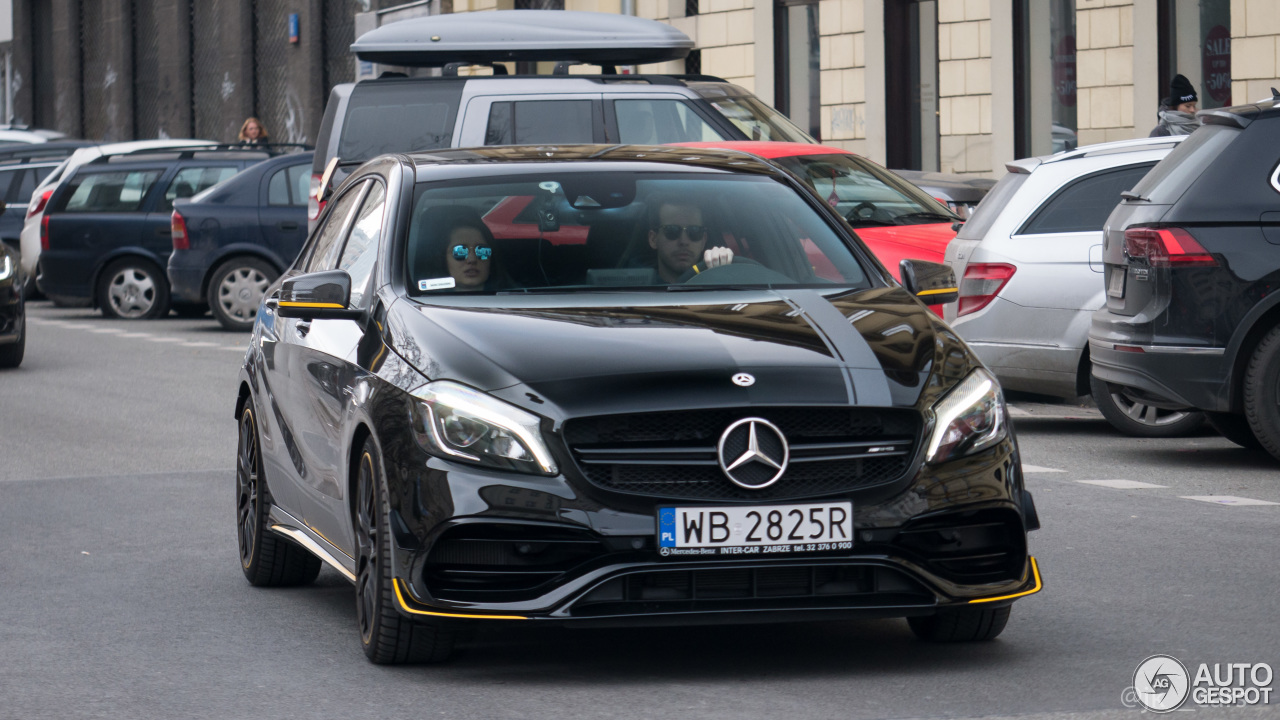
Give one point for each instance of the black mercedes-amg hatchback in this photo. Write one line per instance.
(619, 385)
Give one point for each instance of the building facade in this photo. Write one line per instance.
(959, 86)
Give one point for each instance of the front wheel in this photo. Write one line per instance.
(968, 624)
(236, 290)
(133, 289)
(1138, 419)
(1262, 392)
(388, 637)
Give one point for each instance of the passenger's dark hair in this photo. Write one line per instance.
(656, 202)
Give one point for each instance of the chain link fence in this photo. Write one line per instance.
(146, 71)
(97, 74)
(211, 83)
(277, 101)
(339, 28)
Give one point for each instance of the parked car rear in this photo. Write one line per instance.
(1192, 254)
(106, 231)
(233, 240)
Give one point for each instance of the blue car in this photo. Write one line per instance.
(234, 240)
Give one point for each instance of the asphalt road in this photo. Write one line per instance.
(121, 595)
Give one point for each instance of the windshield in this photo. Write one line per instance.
(1183, 165)
(989, 209)
(758, 121)
(864, 194)
(594, 231)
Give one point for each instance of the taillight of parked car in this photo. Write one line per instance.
(39, 204)
(1169, 247)
(981, 284)
(178, 228)
(314, 206)
(44, 233)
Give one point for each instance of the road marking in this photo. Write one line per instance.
(1227, 500)
(135, 335)
(199, 344)
(1018, 412)
(106, 331)
(1122, 484)
(234, 349)
(1038, 469)
(165, 339)
(75, 326)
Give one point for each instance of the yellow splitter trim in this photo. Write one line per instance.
(395, 583)
(939, 291)
(311, 305)
(1035, 571)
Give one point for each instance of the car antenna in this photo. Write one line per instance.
(1275, 94)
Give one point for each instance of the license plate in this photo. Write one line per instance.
(755, 529)
(1115, 287)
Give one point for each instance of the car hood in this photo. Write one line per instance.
(876, 347)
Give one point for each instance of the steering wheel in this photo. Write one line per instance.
(857, 213)
(690, 274)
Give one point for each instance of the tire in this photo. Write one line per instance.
(133, 289)
(1139, 419)
(961, 624)
(267, 559)
(236, 289)
(11, 354)
(388, 637)
(1262, 392)
(1234, 428)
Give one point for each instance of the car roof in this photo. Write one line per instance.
(1026, 165)
(505, 35)
(514, 158)
(770, 149)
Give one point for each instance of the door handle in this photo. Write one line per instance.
(303, 327)
(288, 226)
(166, 231)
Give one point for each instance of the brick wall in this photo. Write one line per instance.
(1255, 49)
(964, 86)
(1104, 72)
(843, 73)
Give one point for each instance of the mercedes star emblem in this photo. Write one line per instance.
(744, 380)
(753, 453)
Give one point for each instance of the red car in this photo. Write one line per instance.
(894, 218)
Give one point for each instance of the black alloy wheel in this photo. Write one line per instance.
(268, 560)
(969, 624)
(1139, 419)
(388, 637)
(1262, 392)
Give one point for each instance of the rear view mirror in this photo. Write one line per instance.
(317, 296)
(932, 283)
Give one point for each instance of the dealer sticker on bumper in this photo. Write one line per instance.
(755, 529)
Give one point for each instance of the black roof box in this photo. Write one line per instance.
(533, 35)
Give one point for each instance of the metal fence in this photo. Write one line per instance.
(211, 82)
(146, 71)
(339, 28)
(277, 101)
(98, 108)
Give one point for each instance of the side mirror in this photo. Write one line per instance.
(932, 283)
(317, 296)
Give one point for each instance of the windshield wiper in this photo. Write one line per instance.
(1131, 195)
(940, 217)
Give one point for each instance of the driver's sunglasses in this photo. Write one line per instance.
(695, 232)
(483, 252)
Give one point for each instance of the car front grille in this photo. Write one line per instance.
(673, 455)
(789, 587)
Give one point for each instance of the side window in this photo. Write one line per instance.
(121, 191)
(1083, 206)
(362, 243)
(26, 185)
(192, 180)
(540, 122)
(326, 242)
(654, 122)
(6, 181)
(289, 186)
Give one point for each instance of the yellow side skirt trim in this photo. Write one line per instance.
(1035, 570)
(939, 291)
(395, 583)
(312, 305)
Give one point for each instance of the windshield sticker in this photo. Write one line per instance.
(444, 283)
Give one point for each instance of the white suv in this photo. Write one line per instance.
(1030, 267)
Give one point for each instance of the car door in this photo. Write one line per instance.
(282, 210)
(183, 182)
(1055, 279)
(533, 120)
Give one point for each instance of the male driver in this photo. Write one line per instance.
(679, 238)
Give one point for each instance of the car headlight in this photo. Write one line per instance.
(458, 422)
(969, 418)
(6, 267)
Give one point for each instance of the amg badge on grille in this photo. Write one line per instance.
(753, 453)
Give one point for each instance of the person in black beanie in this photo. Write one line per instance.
(1178, 111)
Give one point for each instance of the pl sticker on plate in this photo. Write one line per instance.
(444, 283)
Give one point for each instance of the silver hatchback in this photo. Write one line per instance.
(1030, 268)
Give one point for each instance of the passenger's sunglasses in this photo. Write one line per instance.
(483, 252)
(672, 232)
